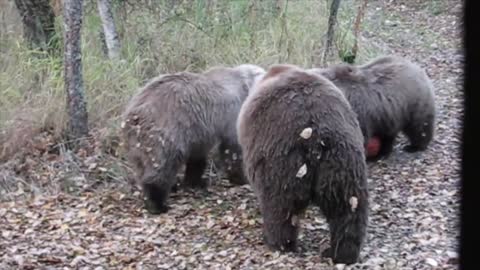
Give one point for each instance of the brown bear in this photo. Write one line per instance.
(176, 119)
(301, 143)
(390, 94)
(227, 156)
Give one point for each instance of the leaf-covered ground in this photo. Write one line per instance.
(414, 220)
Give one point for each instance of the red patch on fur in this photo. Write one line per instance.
(373, 146)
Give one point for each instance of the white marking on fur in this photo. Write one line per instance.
(306, 133)
(302, 171)
(353, 203)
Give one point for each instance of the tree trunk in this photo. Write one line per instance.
(76, 105)
(358, 21)
(38, 21)
(332, 21)
(284, 36)
(109, 29)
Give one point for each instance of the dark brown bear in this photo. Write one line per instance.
(301, 143)
(389, 94)
(176, 119)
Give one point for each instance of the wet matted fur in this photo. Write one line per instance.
(176, 119)
(301, 143)
(390, 94)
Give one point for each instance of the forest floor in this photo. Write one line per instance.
(414, 219)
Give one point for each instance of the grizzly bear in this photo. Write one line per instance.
(175, 120)
(227, 154)
(301, 143)
(390, 94)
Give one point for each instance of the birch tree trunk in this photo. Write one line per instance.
(109, 29)
(332, 21)
(76, 105)
(38, 21)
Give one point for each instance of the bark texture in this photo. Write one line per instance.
(38, 21)
(332, 21)
(109, 29)
(78, 118)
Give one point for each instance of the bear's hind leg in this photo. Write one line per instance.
(280, 225)
(282, 204)
(347, 218)
(194, 172)
(347, 232)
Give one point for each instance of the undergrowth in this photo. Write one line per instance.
(155, 39)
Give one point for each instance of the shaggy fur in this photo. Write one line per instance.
(390, 95)
(176, 119)
(228, 157)
(288, 171)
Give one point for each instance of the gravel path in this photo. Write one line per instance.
(415, 197)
